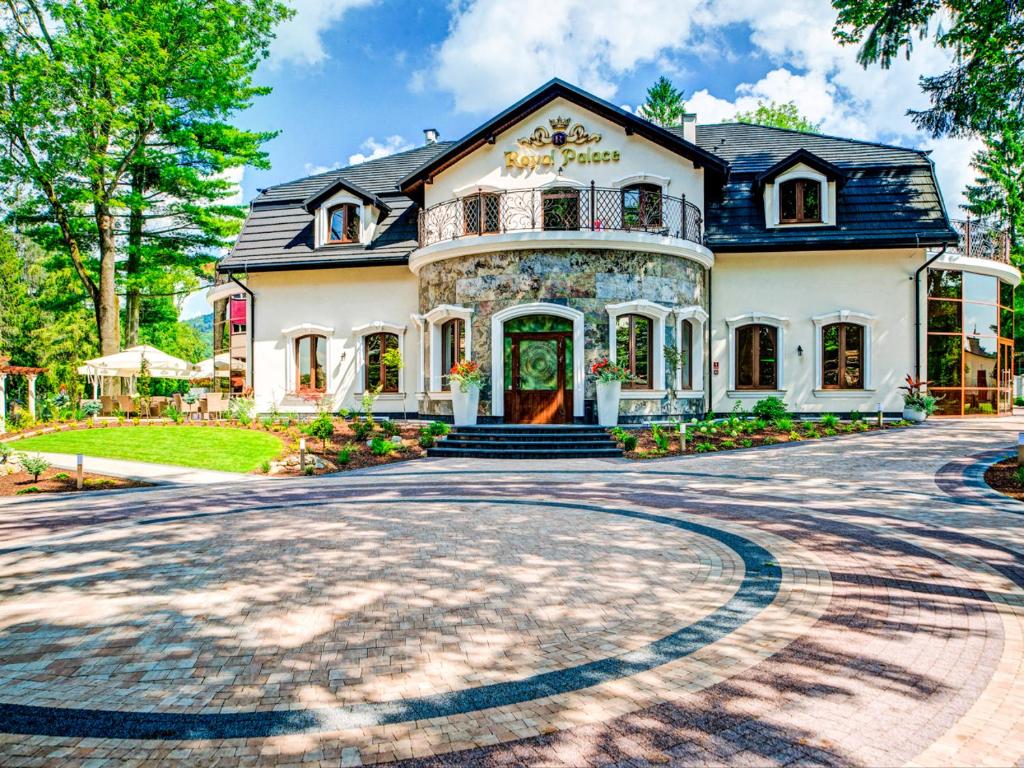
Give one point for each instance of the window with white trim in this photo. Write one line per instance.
(800, 201)
(636, 341)
(843, 351)
(311, 364)
(756, 360)
(453, 347)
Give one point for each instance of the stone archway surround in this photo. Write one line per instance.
(498, 320)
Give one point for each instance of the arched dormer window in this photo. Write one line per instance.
(310, 364)
(641, 206)
(343, 224)
(800, 201)
(377, 370)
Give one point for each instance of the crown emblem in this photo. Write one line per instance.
(560, 123)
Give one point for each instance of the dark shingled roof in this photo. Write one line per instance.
(890, 198)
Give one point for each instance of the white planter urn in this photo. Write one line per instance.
(465, 404)
(608, 402)
(912, 414)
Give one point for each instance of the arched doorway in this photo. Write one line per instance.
(537, 364)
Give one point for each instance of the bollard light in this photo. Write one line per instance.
(880, 414)
(302, 454)
(80, 471)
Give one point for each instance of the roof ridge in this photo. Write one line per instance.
(833, 137)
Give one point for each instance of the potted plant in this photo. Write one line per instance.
(918, 405)
(466, 396)
(609, 387)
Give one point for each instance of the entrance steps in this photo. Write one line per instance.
(527, 441)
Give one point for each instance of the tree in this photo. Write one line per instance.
(89, 87)
(777, 115)
(983, 90)
(664, 104)
(997, 196)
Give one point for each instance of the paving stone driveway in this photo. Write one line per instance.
(847, 602)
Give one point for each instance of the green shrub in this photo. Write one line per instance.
(321, 427)
(770, 440)
(812, 433)
(5, 452)
(362, 429)
(91, 408)
(862, 426)
(381, 446)
(34, 465)
(855, 415)
(770, 409)
(727, 444)
(794, 436)
(99, 482)
(30, 489)
(1018, 475)
(660, 437)
(629, 442)
(265, 467)
(619, 434)
(439, 428)
(308, 469)
(390, 428)
(704, 447)
(62, 476)
(345, 454)
(829, 432)
(747, 442)
(174, 414)
(785, 424)
(829, 421)
(344, 413)
(427, 440)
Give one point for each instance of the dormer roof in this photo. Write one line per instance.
(804, 157)
(332, 187)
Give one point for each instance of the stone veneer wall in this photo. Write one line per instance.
(587, 280)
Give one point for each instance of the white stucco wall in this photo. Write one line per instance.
(340, 300)
(800, 286)
(487, 167)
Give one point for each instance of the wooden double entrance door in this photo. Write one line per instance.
(538, 390)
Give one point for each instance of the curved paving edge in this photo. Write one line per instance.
(963, 480)
(758, 589)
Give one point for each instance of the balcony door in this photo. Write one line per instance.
(560, 208)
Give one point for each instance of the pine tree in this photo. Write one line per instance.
(664, 105)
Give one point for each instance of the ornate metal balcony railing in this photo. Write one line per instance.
(981, 241)
(561, 209)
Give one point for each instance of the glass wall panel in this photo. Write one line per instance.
(981, 402)
(983, 288)
(950, 401)
(1006, 323)
(944, 316)
(944, 360)
(981, 367)
(980, 319)
(1005, 294)
(944, 284)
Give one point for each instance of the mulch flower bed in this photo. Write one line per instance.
(737, 433)
(60, 481)
(1003, 477)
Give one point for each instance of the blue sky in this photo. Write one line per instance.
(355, 78)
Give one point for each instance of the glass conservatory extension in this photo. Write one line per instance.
(970, 343)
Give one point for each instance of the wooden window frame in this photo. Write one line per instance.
(347, 210)
(483, 201)
(380, 365)
(315, 340)
(644, 190)
(686, 328)
(801, 188)
(455, 349)
(630, 362)
(755, 352)
(841, 369)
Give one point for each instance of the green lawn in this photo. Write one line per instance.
(223, 448)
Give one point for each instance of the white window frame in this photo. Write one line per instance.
(436, 318)
(643, 178)
(657, 314)
(758, 318)
(810, 175)
(323, 224)
(867, 322)
(293, 334)
(359, 334)
(698, 318)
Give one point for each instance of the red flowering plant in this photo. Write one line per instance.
(604, 370)
(466, 373)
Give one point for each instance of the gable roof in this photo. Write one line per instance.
(341, 183)
(412, 184)
(808, 158)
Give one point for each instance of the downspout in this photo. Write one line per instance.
(917, 310)
(709, 364)
(252, 331)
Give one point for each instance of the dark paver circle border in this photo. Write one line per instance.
(761, 581)
(963, 480)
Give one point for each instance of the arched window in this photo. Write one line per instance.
(634, 349)
(344, 224)
(686, 354)
(453, 347)
(842, 356)
(472, 221)
(641, 206)
(311, 363)
(800, 201)
(757, 363)
(378, 372)
(560, 208)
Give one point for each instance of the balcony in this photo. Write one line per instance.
(594, 211)
(981, 241)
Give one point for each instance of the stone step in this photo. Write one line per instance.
(481, 437)
(525, 453)
(527, 441)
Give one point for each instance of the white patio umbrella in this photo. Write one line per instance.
(128, 364)
(204, 369)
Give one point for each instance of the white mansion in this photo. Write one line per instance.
(720, 263)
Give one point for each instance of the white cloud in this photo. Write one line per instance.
(373, 149)
(298, 40)
(315, 170)
(596, 43)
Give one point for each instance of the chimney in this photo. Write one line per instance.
(690, 127)
(430, 135)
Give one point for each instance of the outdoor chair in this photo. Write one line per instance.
(106, 405)
(127, 405)
(215, 404)
(157, 406)
(187, 409)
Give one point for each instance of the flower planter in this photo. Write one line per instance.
(608, 402)
(913, 414)
(465, 404)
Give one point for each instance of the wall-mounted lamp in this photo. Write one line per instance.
(799, 351)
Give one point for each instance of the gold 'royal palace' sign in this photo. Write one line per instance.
(558, 138)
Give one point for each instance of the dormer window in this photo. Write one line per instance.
(800, 202)
(343, 224)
